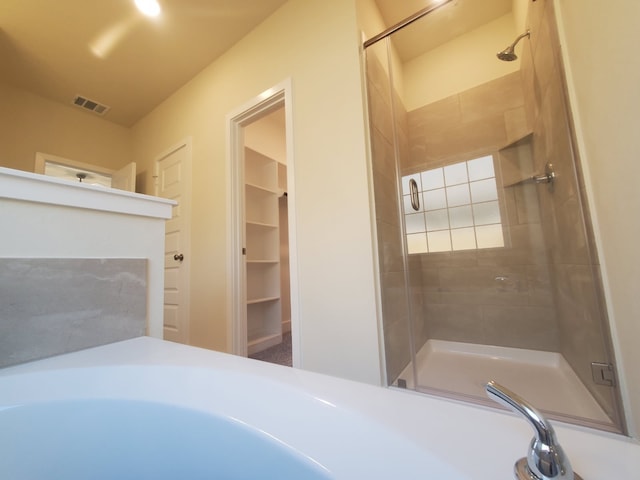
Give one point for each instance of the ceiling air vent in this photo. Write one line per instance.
(91, 105)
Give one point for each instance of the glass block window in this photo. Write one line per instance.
(458, 208)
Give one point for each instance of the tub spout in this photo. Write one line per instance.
(545, 459)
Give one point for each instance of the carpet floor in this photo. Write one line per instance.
(279, 354)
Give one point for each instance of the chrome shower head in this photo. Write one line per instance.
(509, 54)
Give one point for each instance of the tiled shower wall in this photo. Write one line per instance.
(54, 306)
(396, 321)
(577, 288)
(496, 296)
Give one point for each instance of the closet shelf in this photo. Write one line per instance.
(262, 188)
(253, 223)
(253, 301)
(263, 261)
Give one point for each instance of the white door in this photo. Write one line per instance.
(173, 180)
(125, 178)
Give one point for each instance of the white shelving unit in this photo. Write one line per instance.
(262, 260)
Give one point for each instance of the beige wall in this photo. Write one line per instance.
(315, 42)
(604, 73)
(463, 63)
(30, 124)
(520, 9)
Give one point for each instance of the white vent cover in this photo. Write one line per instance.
(91, 105)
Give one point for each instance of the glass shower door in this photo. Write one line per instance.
(397, 270)
(486, 257)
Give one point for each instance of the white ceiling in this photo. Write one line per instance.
(106, 51)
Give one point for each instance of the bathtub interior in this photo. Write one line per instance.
(108, 438)
(208, 415)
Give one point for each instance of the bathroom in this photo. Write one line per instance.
(340, 337)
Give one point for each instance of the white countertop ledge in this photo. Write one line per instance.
(354, 430)
(32, 187)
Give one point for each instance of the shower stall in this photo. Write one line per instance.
(487, 266)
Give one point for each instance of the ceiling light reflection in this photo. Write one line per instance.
(105, 42)
(150, 8)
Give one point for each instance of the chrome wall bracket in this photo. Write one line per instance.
(603, 374)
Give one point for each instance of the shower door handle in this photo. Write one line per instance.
(414, 195)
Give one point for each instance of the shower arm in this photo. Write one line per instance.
(545, 459)
(520, 37)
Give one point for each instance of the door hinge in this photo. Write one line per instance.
(603, 374)
(244, 250)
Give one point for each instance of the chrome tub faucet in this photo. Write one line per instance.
(545, 459)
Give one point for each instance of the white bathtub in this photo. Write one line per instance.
(145, 408)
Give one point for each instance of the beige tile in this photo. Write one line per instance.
(382, 155)
(380, 118)
(582, 321)
(534, 18)
(436, 116)
(449, 259)
(53, 306)
(377, 76)
(530, 92)
(527, 203)
(526, 246)
(517, 123)
(540, 285)
(510, 216)
(569, 242)
(455, 323)
(544, 56)
(516, 161)
(431, 286)
(394, 297)
(521, 327)
(486, 285)
(400, 113)
(556, 138)
(469, 139)
(491, 98)
(389, 248)
(396, 347)
(386, 199)
(549, 16)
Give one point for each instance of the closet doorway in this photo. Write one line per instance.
(261, 213)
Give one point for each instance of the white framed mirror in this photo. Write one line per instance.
(59, 167)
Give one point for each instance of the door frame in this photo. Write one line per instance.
(187, 143)
(276, 97)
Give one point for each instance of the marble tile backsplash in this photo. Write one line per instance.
(50, 306)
